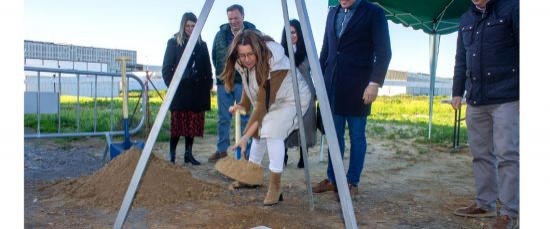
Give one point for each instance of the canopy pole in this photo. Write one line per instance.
(434, 52)
(144, 158)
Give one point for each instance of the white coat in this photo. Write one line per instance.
(281, 119)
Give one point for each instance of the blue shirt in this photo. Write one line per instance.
(343, 16)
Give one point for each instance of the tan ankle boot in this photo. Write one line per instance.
(274, 192)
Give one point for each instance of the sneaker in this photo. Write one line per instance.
(474, 211)
(217, 155)
(323, 186)
(505, 222)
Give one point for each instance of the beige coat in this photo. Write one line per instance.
(281, 119)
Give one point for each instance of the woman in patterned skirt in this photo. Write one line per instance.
(192, 97)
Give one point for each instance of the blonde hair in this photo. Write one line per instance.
(181, 36)
(258, 44)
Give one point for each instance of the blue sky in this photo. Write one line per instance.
(145, 26)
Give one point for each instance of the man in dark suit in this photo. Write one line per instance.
(355, 57)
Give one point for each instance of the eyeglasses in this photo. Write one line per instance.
(245, 56)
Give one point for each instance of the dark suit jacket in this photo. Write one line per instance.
(360, 56)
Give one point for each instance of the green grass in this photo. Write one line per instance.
(406, 117)
(396, 117)
(105, 108)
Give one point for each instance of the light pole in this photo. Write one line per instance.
(54, 89)
(147, 76)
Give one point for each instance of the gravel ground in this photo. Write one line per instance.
(402, 187)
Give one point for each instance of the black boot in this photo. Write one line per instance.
(172, 157)
(301, 162)
(189, 152)
(173, 144)
(286, 156)
(189, 158)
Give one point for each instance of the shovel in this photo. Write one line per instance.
(117, 148)
(238, 167)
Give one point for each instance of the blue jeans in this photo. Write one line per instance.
(358, 149)
(225, 100)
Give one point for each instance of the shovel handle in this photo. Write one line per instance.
(238, 132)
(237, 125)
(123, 60)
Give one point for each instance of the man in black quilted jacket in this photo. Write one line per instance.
(487, 76)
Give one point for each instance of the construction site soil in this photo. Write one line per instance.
(404, 185)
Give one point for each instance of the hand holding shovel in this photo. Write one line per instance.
(239, 169)
(238, 110)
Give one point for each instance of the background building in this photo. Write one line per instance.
(400, 82)
(67, 56)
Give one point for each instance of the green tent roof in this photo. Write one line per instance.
(431, 16)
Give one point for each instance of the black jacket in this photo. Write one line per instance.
(487, 54)
(348, 63)
(193, 93)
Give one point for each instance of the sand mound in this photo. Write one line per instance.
(162, 183)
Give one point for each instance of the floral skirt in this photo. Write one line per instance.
(186, 123)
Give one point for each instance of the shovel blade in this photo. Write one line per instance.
(241, 170)
(116, 149)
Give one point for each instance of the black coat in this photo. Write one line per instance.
(193, 93)
(348, 62)
(487, 54)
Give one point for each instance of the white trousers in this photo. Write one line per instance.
(275, 149)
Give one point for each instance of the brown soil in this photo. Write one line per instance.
(404, 185)
(162, 184)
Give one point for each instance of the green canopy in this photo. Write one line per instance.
(434, 17)
(431, 16)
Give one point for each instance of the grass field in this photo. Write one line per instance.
(408, 115)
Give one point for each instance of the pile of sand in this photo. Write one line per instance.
(162, 183)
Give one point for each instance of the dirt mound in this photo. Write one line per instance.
(162, 183)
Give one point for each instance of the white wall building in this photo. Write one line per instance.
(67, 56)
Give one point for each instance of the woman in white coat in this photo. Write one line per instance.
(267, 87)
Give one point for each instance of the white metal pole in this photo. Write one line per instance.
(434, 51)
(298, 103)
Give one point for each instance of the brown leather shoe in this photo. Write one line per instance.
(217, 155)
(505, 222)
(353, 192)
(323, 186)
(474, 211)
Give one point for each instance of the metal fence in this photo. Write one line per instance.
(45, 86)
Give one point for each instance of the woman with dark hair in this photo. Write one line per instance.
(192, 97)
(302, 65)
(267, 87)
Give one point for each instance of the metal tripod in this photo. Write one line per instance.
(341, 181)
